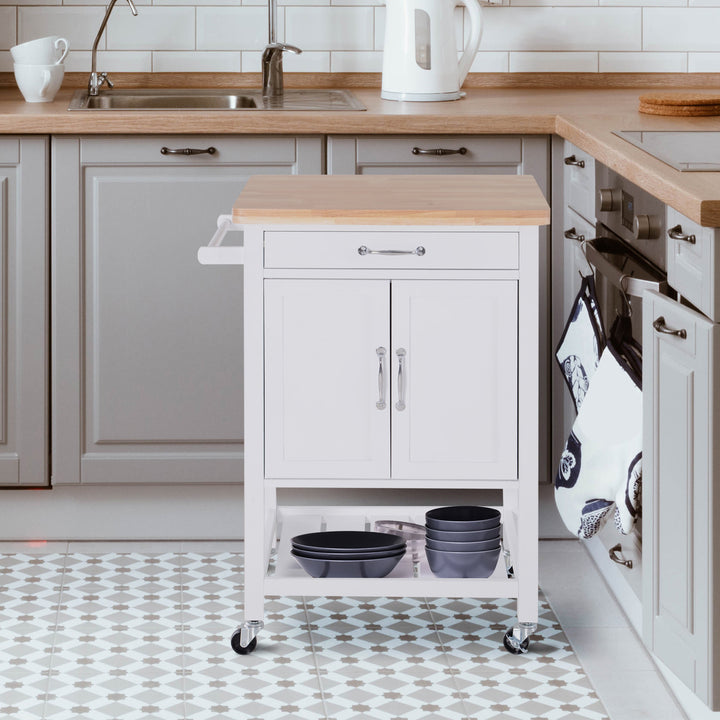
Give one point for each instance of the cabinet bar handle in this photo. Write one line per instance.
(381, 404)
(400, 404)
(365, 250)
(187, 151)
(676, 233)
(438, 151)
(572, 160)
(615, 556)
(661, 327)
(571, 234)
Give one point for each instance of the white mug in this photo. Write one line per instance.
(39, 83)
(50, 50)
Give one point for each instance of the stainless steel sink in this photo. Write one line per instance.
(213, 99)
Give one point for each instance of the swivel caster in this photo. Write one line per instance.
(513, 645)
(244, 639)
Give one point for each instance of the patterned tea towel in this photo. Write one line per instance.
(582, 342)
(600, 465)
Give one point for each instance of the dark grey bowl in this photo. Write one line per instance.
(317, 555)
(462, 546)
(462, 564)
(471, 536)
(373, 568)
(462, 517)
(347, 541)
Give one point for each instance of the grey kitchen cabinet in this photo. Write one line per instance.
(465, 155)
(24, 390)
(681, 463)
(147, 344)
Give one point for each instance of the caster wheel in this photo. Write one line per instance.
(513, 645)
(238, 648)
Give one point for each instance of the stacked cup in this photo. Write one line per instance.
(462, 541)
(39, 67)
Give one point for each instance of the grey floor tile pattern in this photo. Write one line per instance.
(145, 636)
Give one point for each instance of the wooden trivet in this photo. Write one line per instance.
(692, 104)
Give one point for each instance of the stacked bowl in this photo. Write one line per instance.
(348, 553)
(462, 541)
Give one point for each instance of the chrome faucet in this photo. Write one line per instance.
(272, 69)
(96, 81)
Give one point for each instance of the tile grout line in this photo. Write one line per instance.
(315, 661)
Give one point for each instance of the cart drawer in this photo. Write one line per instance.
(374, 250)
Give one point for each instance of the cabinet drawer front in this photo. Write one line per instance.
(580, 182)
(9, 150)
(503, 150)
(692, 267)
(359, 250)
(245, 150)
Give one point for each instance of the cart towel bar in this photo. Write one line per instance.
(214, 254)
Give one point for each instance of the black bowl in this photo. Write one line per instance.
(470, 536)
(372, 568)
(344, 541)
(462, 564)
(462, 517)
(318, 555)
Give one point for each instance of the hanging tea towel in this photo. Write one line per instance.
(582, 342)
(599, 466)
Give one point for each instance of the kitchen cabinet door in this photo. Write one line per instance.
(327, 347)
(681, 507)
(454, 388)
(24, 390)
(148, 343)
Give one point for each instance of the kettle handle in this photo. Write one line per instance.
(475, 14)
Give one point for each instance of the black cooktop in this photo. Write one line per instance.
(685, 150)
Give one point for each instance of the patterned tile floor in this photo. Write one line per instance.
(145, 636)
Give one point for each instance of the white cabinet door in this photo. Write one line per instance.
(458, 380)
(322, 378)
(680, 506)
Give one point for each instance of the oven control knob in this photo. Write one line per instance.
(609, 200)
(645, 227)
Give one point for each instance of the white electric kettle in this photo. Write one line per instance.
(420, 57)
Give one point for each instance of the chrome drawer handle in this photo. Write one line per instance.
(381, 404)
(400, 404)
(571, 234)
(187, 151)
(439, 151)
(676, 233)
(572, 160)
(365, 250)
(661, 327)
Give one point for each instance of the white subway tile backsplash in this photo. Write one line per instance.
(238, 28)
(678, 29)
(553, 62)
(191, 61)
(348, 35)
(642, 62)
(109, 61)
(561, 29)
(331, 28)
(7, 27)
(78, 25)
(155, 28)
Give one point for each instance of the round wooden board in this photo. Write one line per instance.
(683, 99)
(679, 110)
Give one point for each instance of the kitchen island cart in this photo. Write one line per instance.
(391, 341)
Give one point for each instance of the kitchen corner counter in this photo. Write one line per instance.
(586, 117)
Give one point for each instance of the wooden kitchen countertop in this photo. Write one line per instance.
(392, 200)
(586, 117)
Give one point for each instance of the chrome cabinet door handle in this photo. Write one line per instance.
(187, 151)
(438, 151)
(572, 160)
(381, 404)
(400, 404)
(365, 250)
(571, 234)
(615, 554)
(676, 233)
(661, 327)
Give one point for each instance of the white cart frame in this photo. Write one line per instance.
(269, 568)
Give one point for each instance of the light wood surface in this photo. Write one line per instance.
(392, 200)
